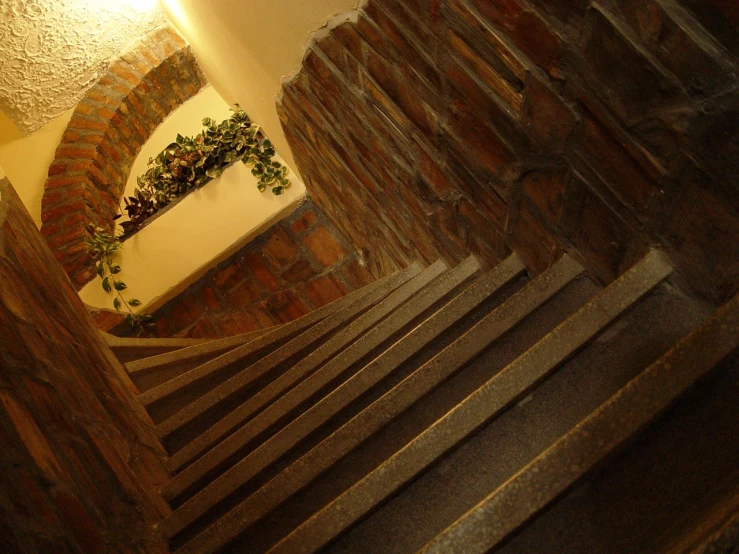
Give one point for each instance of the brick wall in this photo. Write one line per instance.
(298, 265)
(108, 128)
(80, 466)
(432, 128)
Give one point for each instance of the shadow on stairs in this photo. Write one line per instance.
(457, 410)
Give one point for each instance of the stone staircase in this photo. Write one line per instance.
(457, 410)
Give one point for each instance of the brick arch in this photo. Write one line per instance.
(108, 128)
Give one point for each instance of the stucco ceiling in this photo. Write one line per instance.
(52, 51)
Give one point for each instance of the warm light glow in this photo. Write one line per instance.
(177, 15)
(142, 6)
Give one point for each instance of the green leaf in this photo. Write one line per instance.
(119, 285)
(214, 172)
(135, 302)
(115, 269)
(99, 269)
(117, 304)
(106, 284)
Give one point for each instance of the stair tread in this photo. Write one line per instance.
(195, 351)
(379, 413)
(505, 444)
(490, 399)
(130, 349)
(212, 398)
(423, 300)
(622, 416)
(283, 383)
(239, 350)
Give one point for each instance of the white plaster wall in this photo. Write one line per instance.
(203, 228)
(53, 51)
(247, 46)
(27, 159)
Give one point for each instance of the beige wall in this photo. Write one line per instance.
(204, 227)
(26, 160)
(247, 46)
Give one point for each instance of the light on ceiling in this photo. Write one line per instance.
(142, 6)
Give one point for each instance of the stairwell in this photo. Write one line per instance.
(457, 410)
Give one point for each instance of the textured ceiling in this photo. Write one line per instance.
(52, 51)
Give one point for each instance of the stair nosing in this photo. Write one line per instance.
(488, 400)
(193, 410)
(207, 440)
(625, 413)
(327, 453)
(232, 356)
(160, 361)
(434, 291)
(266, 336)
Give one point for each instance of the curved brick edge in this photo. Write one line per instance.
(108, 128)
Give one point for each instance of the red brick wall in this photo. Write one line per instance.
(80, 466)
(434, 128)
(108, 128)
(298, 265)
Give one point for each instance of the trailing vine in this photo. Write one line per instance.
(191, 162)
(103, 247)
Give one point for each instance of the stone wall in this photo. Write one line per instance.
(431, 128)
(298, 265)
(108, 128)
(80, 465)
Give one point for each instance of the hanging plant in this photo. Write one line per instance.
(191, 162)
(103, 247)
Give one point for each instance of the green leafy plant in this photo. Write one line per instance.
(103, 247)
(191, 162)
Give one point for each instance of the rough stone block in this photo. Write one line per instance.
(228, 277)
(628, 80)
(546, 189)
(615, 166)
(247, 292)
(304, 222)
(547, 118)
(298, 272)
(680, 43)
(285, 306)
(280, 248)
(527, 29)
(324, 246)
(325, 289)
(531, 240)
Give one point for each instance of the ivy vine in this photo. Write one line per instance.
(103, 247)
(191, 162)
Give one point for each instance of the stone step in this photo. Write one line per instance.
(403, 427)
(209, 358)
(379, 413)
(673, 488)
(511, 384)
(353, 408)
(152, 371)
(185, 421)
(712, 406)
(505, 444)
(339, 398)
(129, 349)
(230, 422)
